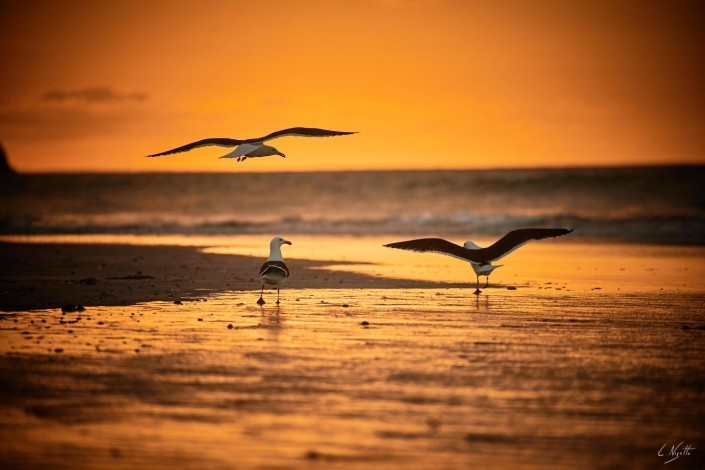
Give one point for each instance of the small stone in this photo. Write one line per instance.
(511, 288)
(200, 319)
(58, 350)
(364, 323)
(312, 455)
(346, 305)
(230, 326)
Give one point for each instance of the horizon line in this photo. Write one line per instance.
(361, 170)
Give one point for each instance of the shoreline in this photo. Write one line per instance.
(40, 276)
(49, 275)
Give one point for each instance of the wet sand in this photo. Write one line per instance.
(570, 367)
(46, 275)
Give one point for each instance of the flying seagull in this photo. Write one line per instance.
(481, 258)
(274, 271)
(253, 148)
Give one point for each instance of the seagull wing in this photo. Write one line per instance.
(299, 132)
(279, 266)
(437, 245)
(517, 238)
(220, 142)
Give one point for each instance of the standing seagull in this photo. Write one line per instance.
(253, 148)
(481, 258)
(275, 270)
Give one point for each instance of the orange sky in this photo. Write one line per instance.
(95, 86)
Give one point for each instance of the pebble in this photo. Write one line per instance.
(511, 288)
(230, 326)
(364, 323)
(58, 350)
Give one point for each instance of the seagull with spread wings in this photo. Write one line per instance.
(480, 258)
(253, 148)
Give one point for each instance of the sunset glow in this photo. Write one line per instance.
(427, 84)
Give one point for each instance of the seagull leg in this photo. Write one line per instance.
(261, 300)
(238, 158)
(477, 290)
(277, 295)
(487, 281)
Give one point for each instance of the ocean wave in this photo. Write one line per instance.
(671, 229)
(626, 203)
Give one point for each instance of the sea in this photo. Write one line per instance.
(661, 205)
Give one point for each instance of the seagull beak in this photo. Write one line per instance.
(287, 242)
(282, 155)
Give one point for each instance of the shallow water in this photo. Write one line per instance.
(560, 263)
(436, 379)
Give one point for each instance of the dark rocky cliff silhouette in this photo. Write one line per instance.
(4, 164)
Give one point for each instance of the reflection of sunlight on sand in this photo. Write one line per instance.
(560, 264)
(550, 264)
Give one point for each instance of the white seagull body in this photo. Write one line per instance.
(481, 258)
(274, 271)
(253, 148)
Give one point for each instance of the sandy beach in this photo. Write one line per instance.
(172, 363)
(48, 276)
